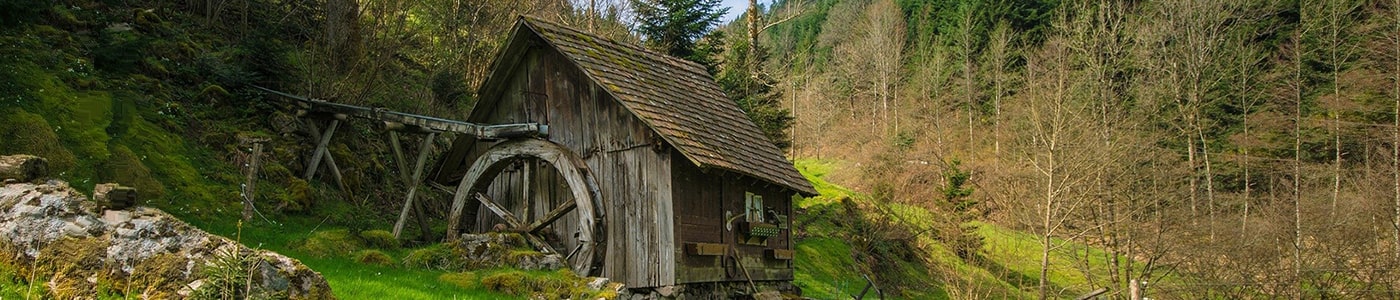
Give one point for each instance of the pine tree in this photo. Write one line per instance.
(676, 26)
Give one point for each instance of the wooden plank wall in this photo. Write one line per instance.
(701, 199)
(633, 175)
(699, 218)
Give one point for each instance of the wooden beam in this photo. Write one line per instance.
(552, 216)
(323, 154)
(318, 106)
(706, 249)
(414, 183)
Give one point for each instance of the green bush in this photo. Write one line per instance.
(380, 238)
(373, 257)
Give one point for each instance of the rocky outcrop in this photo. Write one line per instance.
(61, 236)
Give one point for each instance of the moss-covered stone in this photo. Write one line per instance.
(330, 243)
(28, 133)
(378, 238)
(373, 257)
(438, 257)
(510, 282)
(125, 168)
(465, 280)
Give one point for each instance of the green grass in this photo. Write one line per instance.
(825, 269)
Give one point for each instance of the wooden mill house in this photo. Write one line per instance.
(648, 174)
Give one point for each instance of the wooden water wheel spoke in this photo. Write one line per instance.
(574, 252)
(580, 208)
(552, 216)
(511, 220)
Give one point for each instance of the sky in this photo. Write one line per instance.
(737, 7)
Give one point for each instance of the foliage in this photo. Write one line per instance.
(752, 90)
(14, 12)
(675, 26)
(226, 277)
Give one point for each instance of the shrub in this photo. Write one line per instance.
(380, 238)
(373, 257)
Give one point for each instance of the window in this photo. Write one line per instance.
(753, 206)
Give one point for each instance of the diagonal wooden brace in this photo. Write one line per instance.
(414, 182)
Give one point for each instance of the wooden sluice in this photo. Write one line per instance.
(394, 122)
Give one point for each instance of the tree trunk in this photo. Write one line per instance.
(1297, 169)
(1395, 145)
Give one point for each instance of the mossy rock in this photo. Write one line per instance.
(160, 276)
(330, 243)
(509, 282)
(125, 168)
(373, 257)
(562, 284)
(27, 133)
(465, 280)
(378, 238)
(438, 257)
(68, 262)
(297, 196)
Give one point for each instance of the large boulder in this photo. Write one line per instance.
(59, 234)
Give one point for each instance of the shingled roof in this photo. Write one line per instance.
(675, 97)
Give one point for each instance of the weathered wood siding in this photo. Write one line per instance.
(632, 172)
(702, 200)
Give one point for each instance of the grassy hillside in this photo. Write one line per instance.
(833, 252)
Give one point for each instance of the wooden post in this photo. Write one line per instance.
(414, 183)
(325, 154)
(316, 155)
(250, 186)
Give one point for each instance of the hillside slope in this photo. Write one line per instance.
(844, 235)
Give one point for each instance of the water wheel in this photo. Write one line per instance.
(570, 227)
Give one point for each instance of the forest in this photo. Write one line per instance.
(1203, 148)
(1219, 149)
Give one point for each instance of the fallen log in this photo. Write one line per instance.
(23, 168)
